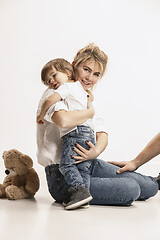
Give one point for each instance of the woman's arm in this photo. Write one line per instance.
(52, 99)
(151, 150)
(94, 151)
(68, 119)
(101, 142)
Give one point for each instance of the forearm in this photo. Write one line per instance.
(45, 106)
(101, 142)
(150, 151)
(67, 119)
(52, 99)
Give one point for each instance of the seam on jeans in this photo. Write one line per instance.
(115, 199)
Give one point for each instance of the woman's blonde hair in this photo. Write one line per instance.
(91, 52)
(60, 64)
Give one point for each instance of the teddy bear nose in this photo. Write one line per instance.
(7, 172)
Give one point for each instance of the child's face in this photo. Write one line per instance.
(55, 78)
(88, 74)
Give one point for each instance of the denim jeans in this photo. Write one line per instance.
(78, 174)
(106, 186)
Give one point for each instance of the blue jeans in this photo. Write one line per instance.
(78, 174)
(106, 186)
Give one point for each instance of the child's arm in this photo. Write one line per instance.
(52, 99)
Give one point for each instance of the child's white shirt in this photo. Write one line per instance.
(75, 98)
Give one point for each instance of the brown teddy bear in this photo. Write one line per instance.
(21, 181)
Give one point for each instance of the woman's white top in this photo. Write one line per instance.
(49, 142)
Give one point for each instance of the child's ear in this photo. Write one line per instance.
(69, 74)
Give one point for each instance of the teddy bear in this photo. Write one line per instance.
(22, 180)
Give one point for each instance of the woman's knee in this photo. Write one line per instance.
(148, 189)
(154, 187)
(102, 169)
(148, 185)
(132, 190)
(114, 191)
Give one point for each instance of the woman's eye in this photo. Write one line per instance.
(86, 69)
(96, 74)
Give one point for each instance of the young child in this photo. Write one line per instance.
(57, 74)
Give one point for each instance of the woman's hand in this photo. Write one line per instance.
(90, 106)
(125, 166)
(84, 154)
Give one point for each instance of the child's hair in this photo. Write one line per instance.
(60, 64)
(89, 52)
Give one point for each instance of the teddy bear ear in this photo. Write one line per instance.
(3, 155)
(26, 160)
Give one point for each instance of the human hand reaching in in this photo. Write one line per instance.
(125, 166)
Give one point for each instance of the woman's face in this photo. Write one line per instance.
(88, 74)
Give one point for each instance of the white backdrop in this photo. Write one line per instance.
(36, 31)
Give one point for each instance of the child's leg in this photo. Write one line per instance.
(67, 167)
(77, 178)
(76, 174)
(84, 169)
(61, 192)
(85, 134)
(79, 193)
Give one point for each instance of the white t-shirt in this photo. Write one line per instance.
(49, 142)
(75, 98)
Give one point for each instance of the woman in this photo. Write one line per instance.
(106, 187)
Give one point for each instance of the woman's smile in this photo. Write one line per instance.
(85, 82)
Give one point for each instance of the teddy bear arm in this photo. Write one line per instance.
(32, 182)
(7, 181)
(2, 191)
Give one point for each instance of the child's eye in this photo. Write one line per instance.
(54, 75)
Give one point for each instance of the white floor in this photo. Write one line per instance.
(41, 218)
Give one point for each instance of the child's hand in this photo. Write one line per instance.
(39, 120)
(90, 106)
